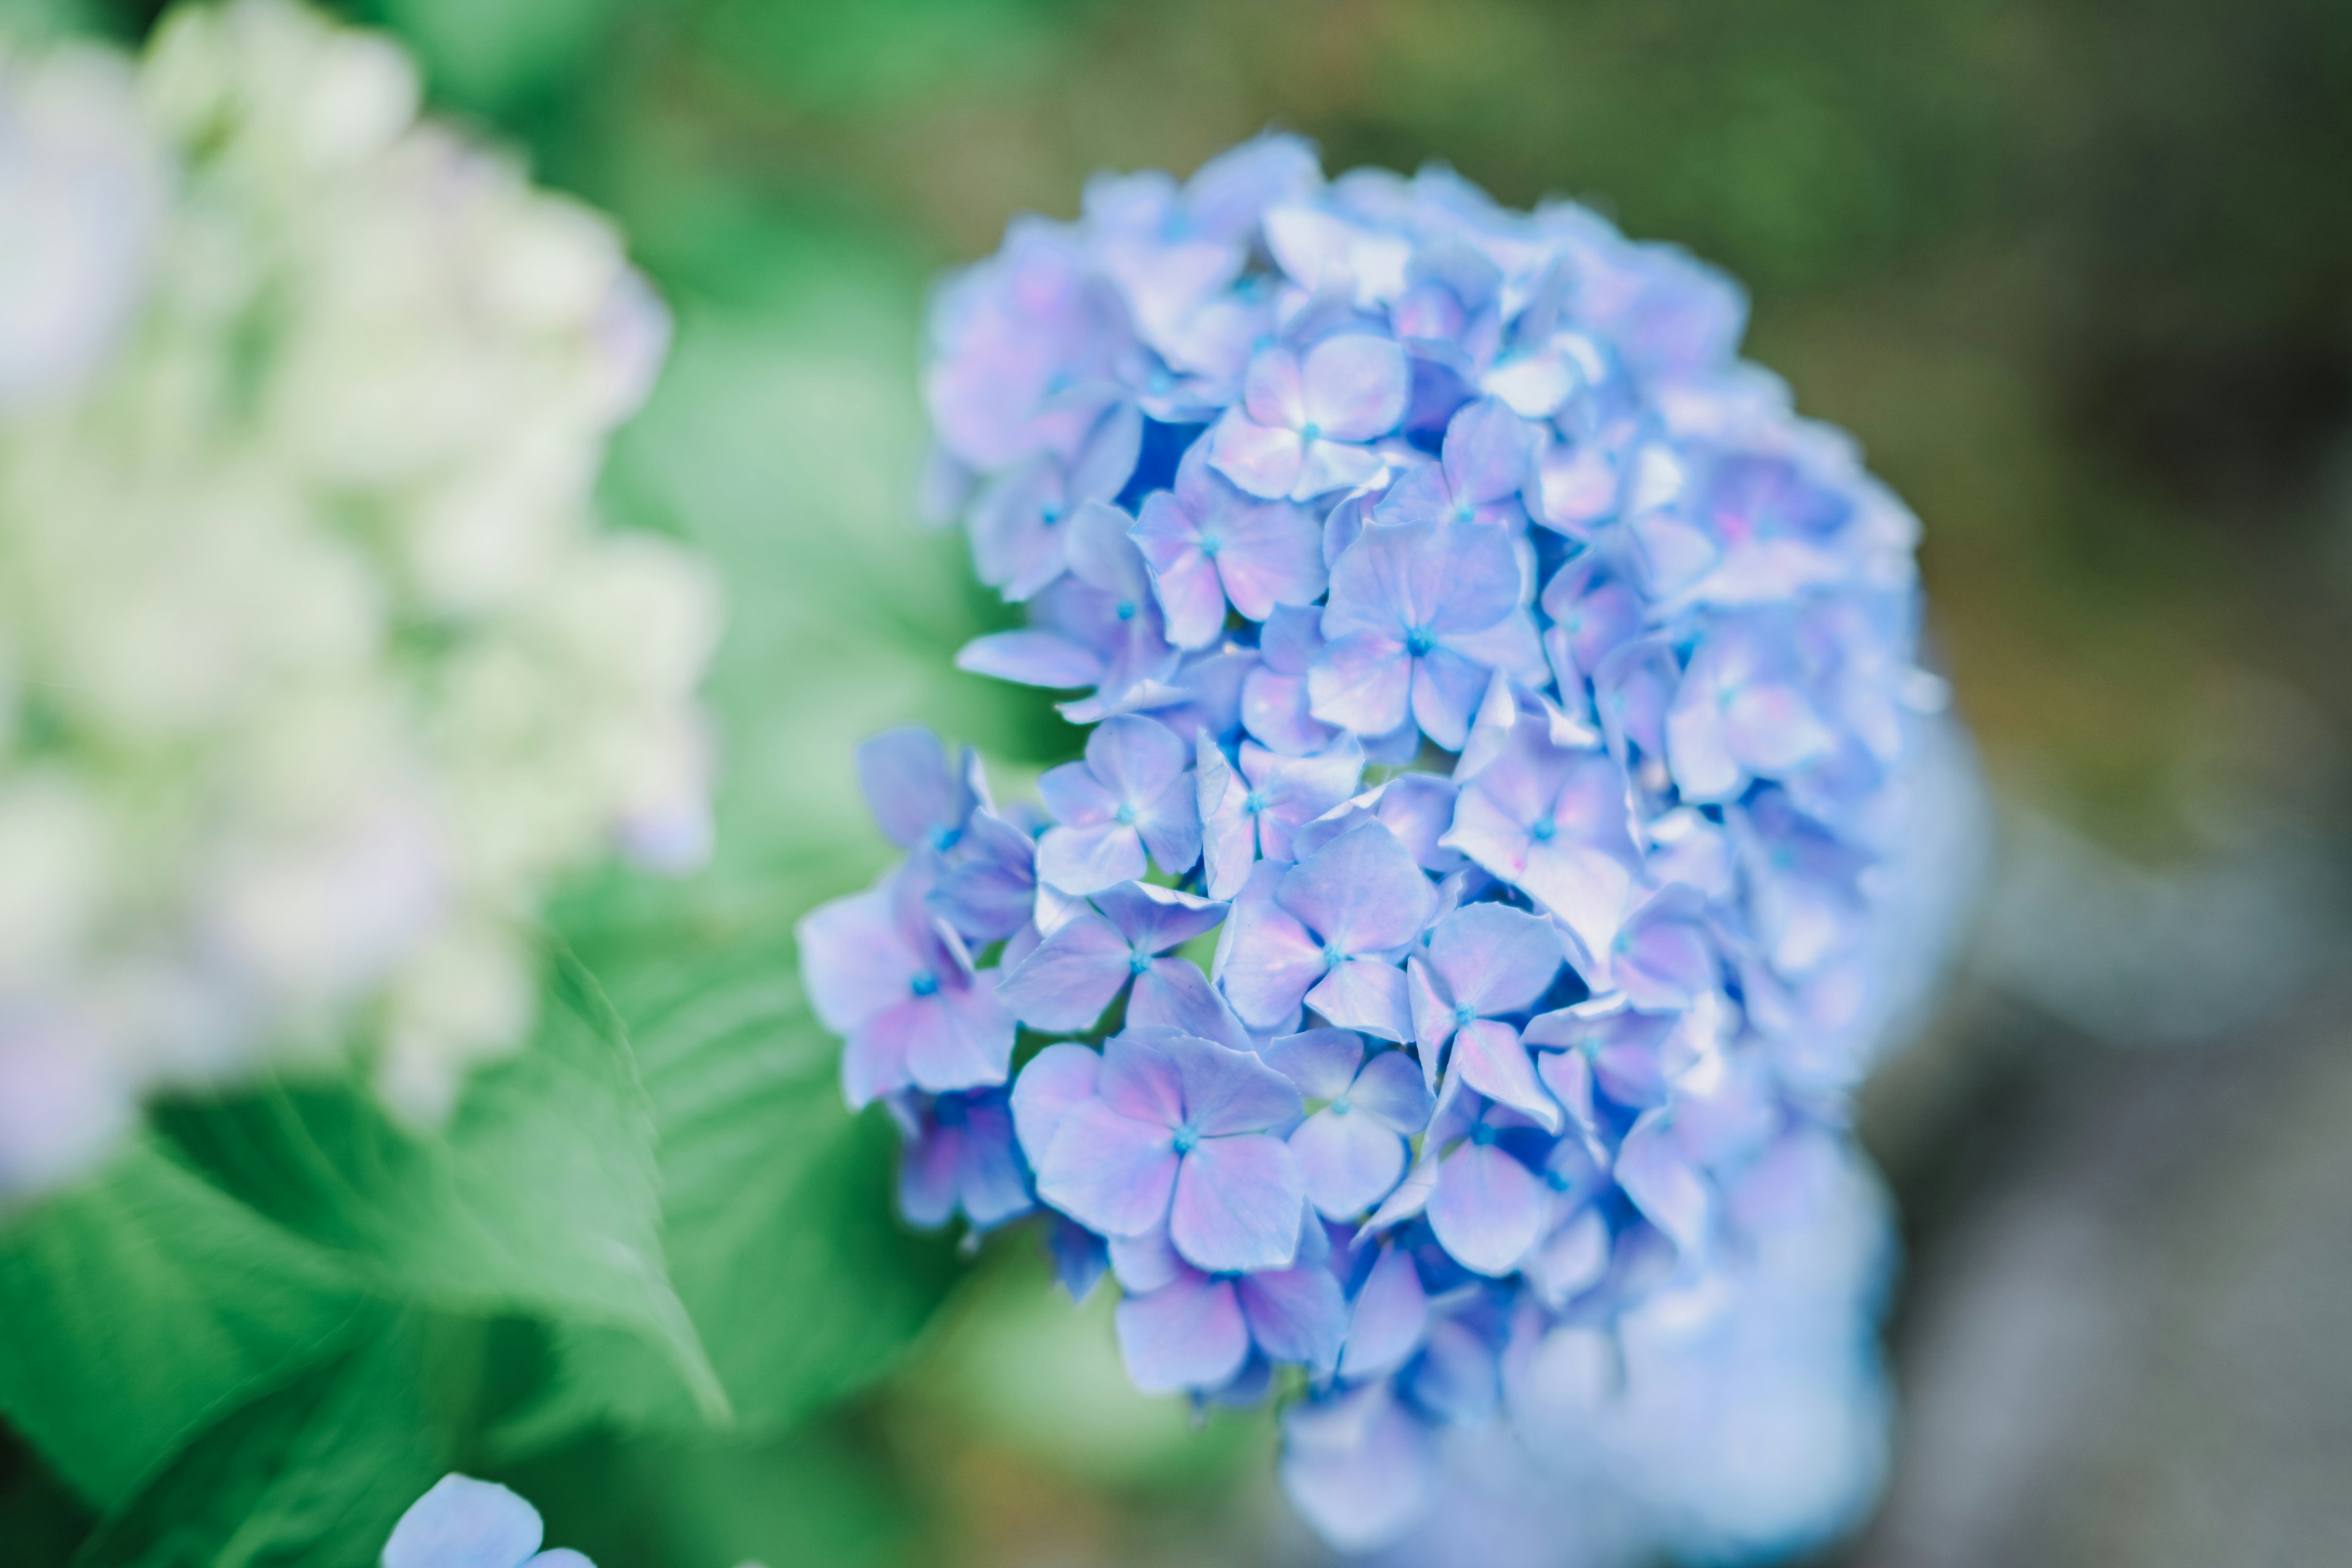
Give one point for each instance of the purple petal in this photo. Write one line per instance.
(1102, 555)
(1290, 639)
(1493, 959)
(1419, 808)
(1488, 1209)
(1104, 462)
(1361, 681)
(1322, 1063)
(1238, 1204)
(1296, 1315)
(1191, 595)
(1446, 692)
(1109, 1173)
(1269, 556)
(1276, 709)
(1141, 1081)
(1228, 834)
(1571, 1260)
(1295, 790)
(1487, 451)
(1154, 919)
(1366, 994)
(1227, 1091)
(1390, 1090)
(1135, 759)
(1265, 959)
(1361, 892)
(1652, 1170)
(1089, 860)
(928, 1177)
(965, 1040)
(991, 890)
(1463, 577)
(1263, 459)
(915, 795)
(1173, 994)
(1171, 825)
(1354, 387)
(1071, 978)
(1057, 1079)
(1079, 1257)
(1349, 1160)
(1032, 659)
(1074, 797)
(1491, 1060)
(1358, 1466)
(855, 959)
(1456, 1378)
(465, 1523)
(1389, 1319)
(1373, 583)
(1189, 1334)
(1145, 1263)
(1274, 389)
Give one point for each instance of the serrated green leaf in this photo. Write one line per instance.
(314, 1473)
(540, 1198)
(136, 1309)
(783, 1242)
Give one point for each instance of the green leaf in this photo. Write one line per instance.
(136, 1309)
(315, 1473)
(539, 1198)
(784, 1241)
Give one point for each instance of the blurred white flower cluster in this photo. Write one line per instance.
(314, 665)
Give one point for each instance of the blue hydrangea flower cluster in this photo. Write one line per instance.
(1525, 697)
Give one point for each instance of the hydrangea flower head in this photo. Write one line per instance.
(1527, 698)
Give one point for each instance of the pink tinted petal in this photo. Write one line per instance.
(1263, 459)
(1389, 1319)
(1273, 390)
(1488, 449)
(1375, 581)
(1488, 1209)
(1265, 959)
(1509, 645)
(1363, 682)
(1583, 887)
(1071, 978)
(1775, 729)
(1491, 1060)
(1322, 1063)
(1464, 577)
(1355, 386)
(1228, 836)
(1275, 709)
(1135, 757)
(1569, 1076)
(1446, 692)
(1349, 1160)
(1187, 1336)
(1698, 749)
(1171, 825)
(928, 1177)
(1056, 1079)
(874, 1057)
(1390, 1090)
(1032, 659)
(1145, 1263)
(1088, 859)
(966, 1043)
(1228, 1091)
(1153, 919)
(1139, 1079)
(1174, 995)
(1271, 556)
(855, 960)
(1419, 809)
(1361, 892)
(1191, 599)
(1328, 465)
(1109, 1174)
(1100, 554)
(1495, 959)
(1074, 797)
(1654, 1174)
(1366, 994)
(1238, 1204)
(1296, 1315)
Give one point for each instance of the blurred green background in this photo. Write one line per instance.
(2078, 276)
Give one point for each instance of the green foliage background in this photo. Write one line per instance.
(2080, 277)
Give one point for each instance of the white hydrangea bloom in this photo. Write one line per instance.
(314, 665)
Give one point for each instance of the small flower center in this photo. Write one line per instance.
(1332, 956)
(1463, 1013)
(1126, 611)
(1049, 514)
(1255, 801)
(1482, 1135)
(1341, 1106)
(1137, 963)
(944, 838)
(1310, 432)
(1418, 642)
(1464, 512)
(1211, 544)
(1543, 830)
(1124, 815)
(1159, 381)
(1187, 1138)
(925, 983)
